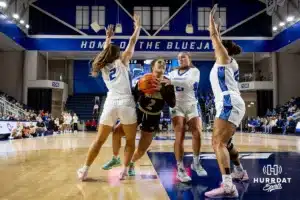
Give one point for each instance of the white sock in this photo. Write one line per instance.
(116, 157)
(227, 179)
(85, 168)
(180, 165)
(125, 169)
(196, 159)
(239, 168)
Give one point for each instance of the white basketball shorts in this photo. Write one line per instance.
(188, 111)
(231, 108)
(122, 109)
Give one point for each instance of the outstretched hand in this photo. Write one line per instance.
(137, 21)
(213, 10)
(110, 31)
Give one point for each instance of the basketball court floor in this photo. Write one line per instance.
(45, 168)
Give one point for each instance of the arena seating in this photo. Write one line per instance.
(82, 105)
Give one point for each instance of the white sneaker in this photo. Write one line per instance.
(82, 174)
(198, 169)
(123, 175)
(182, 176)
(242, 176)
(224, 191)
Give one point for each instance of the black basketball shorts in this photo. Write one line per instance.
(149, 123)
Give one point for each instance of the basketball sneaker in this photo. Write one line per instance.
(82, 173)
(131, 171)
(123, 174)
(224, 191)
(197, 167)
(240, 175)
(114, 162)
(182, 175)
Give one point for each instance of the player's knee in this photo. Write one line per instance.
(130, 143)
(217, 144)
(196, 131)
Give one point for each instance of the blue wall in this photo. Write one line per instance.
(83, 83)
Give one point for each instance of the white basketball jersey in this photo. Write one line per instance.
(185, 84)
(117, 79)
(224, 79)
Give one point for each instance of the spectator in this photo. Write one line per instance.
(40, 127)
(17, 132)
(96, 110)
(75, 123)
(57, 125)
(88, 125)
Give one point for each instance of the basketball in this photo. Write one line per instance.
(148, 84)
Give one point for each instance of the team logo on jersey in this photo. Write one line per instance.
(156, 95)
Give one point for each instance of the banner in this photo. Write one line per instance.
(7, 126)
(280, 2)
(271, 6)
(153, 45)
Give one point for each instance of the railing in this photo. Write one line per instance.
(7, 108)
(255, 76)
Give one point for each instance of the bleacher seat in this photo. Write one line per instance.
(83, 104)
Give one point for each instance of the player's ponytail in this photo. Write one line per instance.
(105, 57)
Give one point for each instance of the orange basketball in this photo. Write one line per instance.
(148, 84)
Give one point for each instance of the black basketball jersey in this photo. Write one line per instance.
(153, 103)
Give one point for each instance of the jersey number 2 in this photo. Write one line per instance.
(149, 107)
(112, 74)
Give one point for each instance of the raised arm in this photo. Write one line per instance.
(220, 51)
(128, 53)
(109, 35)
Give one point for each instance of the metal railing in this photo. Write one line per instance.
(254, 76)
(7, 108)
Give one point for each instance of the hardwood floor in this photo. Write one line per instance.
(45, 167)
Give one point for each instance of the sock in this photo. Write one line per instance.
(238, 168)
(180, 165)
(85, 167)
(196, 159)
(125, 170)
(227, 180)
(115, 157)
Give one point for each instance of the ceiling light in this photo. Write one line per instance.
(281, 24)
(27, 26)
(3, 4)
(275, 28)
(22, 21)
(16, 16)
(290, 18)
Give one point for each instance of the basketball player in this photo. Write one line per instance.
(186, 80)
(149, 107)
(230, 109)
(119, 103)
